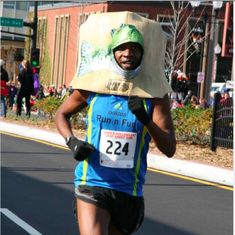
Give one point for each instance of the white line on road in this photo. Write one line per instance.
(19, 221)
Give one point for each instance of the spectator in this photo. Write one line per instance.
(175, 104)
(64, 90)
(26, 90)
(12, 94)
(21, 66)
(4, 89)
(36, 82)
(46, 91)
(180, 85)
(194, 101)
(70, 90)
(187, 98)
(41, 94)
(225, 99)
(52, 91)
(203, 104)
(59, 92)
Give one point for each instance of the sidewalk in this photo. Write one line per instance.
(173, 165)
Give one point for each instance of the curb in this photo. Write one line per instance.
(181, 167)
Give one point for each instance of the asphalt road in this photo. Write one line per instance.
(37, 196)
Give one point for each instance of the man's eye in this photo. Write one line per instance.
(121, 48)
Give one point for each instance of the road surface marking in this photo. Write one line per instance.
(19, 222)
(192, 179)
(34, 139)
(149, 168)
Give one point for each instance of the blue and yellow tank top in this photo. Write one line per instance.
(122, 144)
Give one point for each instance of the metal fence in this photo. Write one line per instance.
(222, 123)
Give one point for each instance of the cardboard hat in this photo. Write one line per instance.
(97, 69)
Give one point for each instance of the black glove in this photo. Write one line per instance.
(136, 106)
(80, 149)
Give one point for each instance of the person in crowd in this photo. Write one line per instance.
(12, 94)
(224, 100)
(187, 98)
(52, 91)
(59, 92)
(203, 104)
(180, 84)
(63, 92)
(70, 90)
(112, 160)
(4, 89)
(21, 65)
(194, 102)
(36, 82)
(176, 104)
(41, 94)
(26, 88)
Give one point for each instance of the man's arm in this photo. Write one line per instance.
(73, 104)
(161, 126)
(21, 76)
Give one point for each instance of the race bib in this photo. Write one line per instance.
(117, 149)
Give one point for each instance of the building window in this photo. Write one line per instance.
(60, 49)
(41, 35)
(9, 4)
(24, 6)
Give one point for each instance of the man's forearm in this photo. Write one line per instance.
(63, 125)
(165, 141)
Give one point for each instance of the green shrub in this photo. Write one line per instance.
(193, 125)
(48, 106)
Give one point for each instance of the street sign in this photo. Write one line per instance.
(200, 77)
(11, 22)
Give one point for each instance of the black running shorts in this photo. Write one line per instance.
(126, 211)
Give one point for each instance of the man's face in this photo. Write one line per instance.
(128, 55)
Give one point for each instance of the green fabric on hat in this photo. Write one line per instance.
(126, 33)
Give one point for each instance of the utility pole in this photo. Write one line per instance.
(211, 56)
(212, 42)
(204, 58)
(35, 24)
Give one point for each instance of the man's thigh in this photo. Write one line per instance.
(92, 219)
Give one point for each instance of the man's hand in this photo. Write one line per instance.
(136, 106)
(81, 149)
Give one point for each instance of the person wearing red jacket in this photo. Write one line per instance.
(4, 89)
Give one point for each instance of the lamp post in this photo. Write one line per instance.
(217, 51)
(212, 44)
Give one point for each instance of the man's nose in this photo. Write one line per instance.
(128, 52)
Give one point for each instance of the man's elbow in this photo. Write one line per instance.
(170, 151)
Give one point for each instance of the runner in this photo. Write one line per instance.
(112, 160)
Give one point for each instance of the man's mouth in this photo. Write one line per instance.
(127, 62)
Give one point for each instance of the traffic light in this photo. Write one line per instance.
(35, 55)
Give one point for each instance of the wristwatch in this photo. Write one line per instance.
(67, 139)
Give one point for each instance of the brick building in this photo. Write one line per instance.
(58, 36)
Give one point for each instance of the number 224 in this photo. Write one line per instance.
(118, 148)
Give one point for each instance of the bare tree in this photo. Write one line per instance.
(184, 35)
